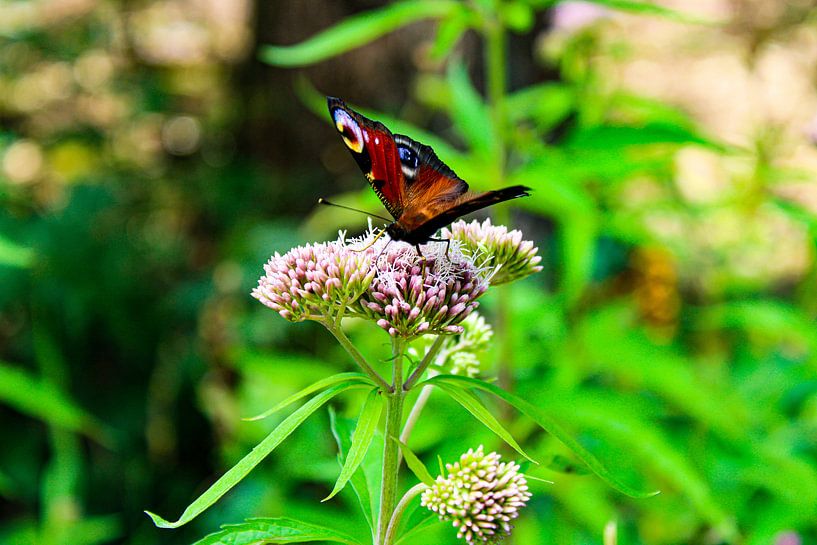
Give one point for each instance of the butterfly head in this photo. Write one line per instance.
(348, 127)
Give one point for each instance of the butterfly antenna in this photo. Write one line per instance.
(327, 203)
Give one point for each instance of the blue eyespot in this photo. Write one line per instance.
(408, 157)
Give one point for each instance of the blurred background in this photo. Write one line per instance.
(153, 154)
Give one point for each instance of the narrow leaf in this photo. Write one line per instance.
(41, 399)
(361, 439)
(256, 455)
(472, 119)
(548, 424)
(449, 33)
(413, 462)
(648, 8)
(274, 530)
(356, 31)
(319, 385)
(342, 430)
(470, 403)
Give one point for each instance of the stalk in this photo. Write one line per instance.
(391, 450)
(356, 355)
(496, 70)
(413, 492)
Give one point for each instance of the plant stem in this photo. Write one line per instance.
(495, 70)
(427, 359)
(391, 450)
(357, 356)
(412, 493)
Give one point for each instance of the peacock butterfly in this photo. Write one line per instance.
(421, 192)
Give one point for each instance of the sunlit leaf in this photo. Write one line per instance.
(319, 385)
(361, 439)
(235, 474)
(470, 403)
(546, 104)
(649, 8)
(261, 531)
(611, 137)
(356, 31)
(547, 423)
(14, 255)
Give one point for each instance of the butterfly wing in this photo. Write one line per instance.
(420, 191)
(374, 149)
(422, 222)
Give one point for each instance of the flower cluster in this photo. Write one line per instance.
(405, 292)
(314, 281)
(412, 295)
(480, 495)
(495, 247)
(459, 355)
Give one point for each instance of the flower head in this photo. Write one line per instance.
(389, 282)
(314, 280)
(495, 247)
(480, 495)
(412, 295)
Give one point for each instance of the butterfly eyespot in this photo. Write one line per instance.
(349, 130)
(408, 157)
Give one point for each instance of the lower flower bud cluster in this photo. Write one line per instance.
(480, 495)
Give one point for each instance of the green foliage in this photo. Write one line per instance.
(645, 353)
(248, 462)
(274, 530)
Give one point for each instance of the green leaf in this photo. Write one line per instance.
(413, 462)
(14, 255)
(613, 137)
(342, 429)
(646, 8)
(471, 403)
(361, 439)
(259, 531)
(356, 31)
(546, 104)
(319, 385)
(548, 424)
(472, 120)
(43, 400)
(235, 474)
(449, 33)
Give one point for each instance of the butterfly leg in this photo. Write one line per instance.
(423, 259)
(447, 244)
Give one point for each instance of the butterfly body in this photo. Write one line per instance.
(420, 191)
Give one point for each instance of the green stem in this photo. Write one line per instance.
(427, 359)
(412, 493)
(391, 450)
(357, 356)
(495, 70)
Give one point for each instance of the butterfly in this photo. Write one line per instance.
(421, 192)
